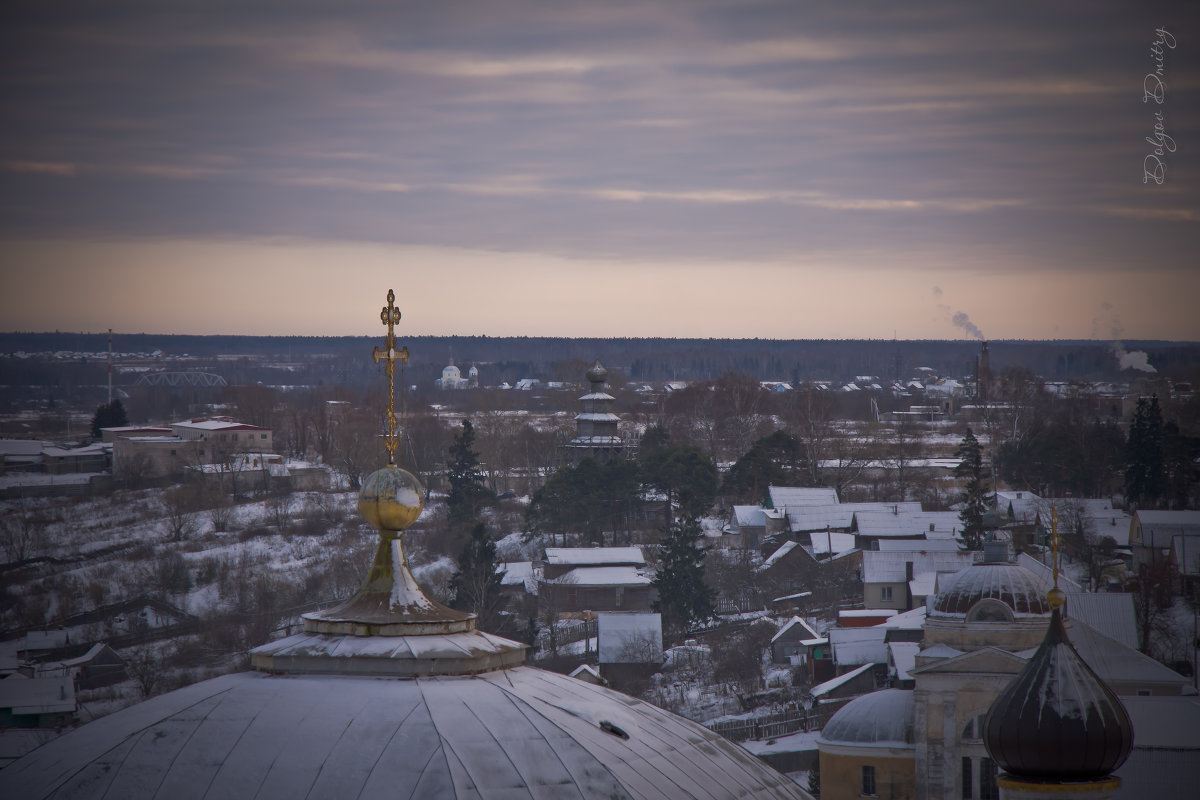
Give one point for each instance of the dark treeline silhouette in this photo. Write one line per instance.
(316, 359)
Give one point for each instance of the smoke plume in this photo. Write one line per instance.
(1136, 359)
(963, 321)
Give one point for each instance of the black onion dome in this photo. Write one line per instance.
(1013, 585)
(1057, 720)
(598, 373)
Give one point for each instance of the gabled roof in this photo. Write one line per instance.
(808, 518)
(603, 576)
(903, 656)
(822, 689)
(801, 496)
(594, 556)
(858, 645)
(216, 424)
(778, 555)
(749, 516)
(53, 695)
(911, 620)
(986, 660)
(806, 631)
(891, 567)
(928, 524)
(839, 543)
(1116, 663)
(1110, 613)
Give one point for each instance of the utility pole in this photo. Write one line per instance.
(110, 366)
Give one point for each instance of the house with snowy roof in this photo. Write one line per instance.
(1151, 534)
(783, 496)
(902, 579)
(597, 579)
(794, 642)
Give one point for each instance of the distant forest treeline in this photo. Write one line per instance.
(658, 359)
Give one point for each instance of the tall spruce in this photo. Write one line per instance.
(108, 415)
(684, 599)
(974, 496)
(467, 492)
(475, 584)
(1145, 460)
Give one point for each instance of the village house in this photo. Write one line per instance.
(597, 579)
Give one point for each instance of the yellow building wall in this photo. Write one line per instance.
(841, 776)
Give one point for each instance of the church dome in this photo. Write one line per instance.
(1057, 721)
(597, 374)
(518, 733)
(992, 592)
(878, 719)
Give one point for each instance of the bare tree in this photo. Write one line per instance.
(279, 510)
(180, 505)
(22, 534)
(220, 510)
(147, 667)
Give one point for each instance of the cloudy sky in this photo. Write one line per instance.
(725, 168)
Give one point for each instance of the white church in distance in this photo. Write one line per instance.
(452, 378)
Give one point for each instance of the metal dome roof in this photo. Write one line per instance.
(879, 719)
(1057, 720)
(1021, 590)
(521, 732)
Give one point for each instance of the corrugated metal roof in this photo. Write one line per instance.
(801, 496)
(517, 733)
(1115, 663)
(1112, 614)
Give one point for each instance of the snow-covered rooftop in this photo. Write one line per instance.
(822, 689)
(930, 524)
(891, 567)
(584, 556)
(801, 496)
(858, 645)
(823, 543)
(807, 631)
(604, 576)
(629, 637)
(903, 656)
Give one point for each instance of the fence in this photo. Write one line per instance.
(780, 723)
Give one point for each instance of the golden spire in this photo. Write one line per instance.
(390, 316)
(1055, 595)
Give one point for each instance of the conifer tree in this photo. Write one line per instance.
(476, 583)
(974, 495)
(1145, 463)
(684, 599)
(108, 415)
(467, 491)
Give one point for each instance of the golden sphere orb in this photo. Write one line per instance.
(391, 498)
(1056, 597)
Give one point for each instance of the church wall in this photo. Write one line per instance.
(841, 773)
(1017, 635)
(944, 704)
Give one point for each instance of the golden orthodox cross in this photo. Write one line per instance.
(390, 316)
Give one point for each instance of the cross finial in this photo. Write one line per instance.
(1055, 596)
(390, 316)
